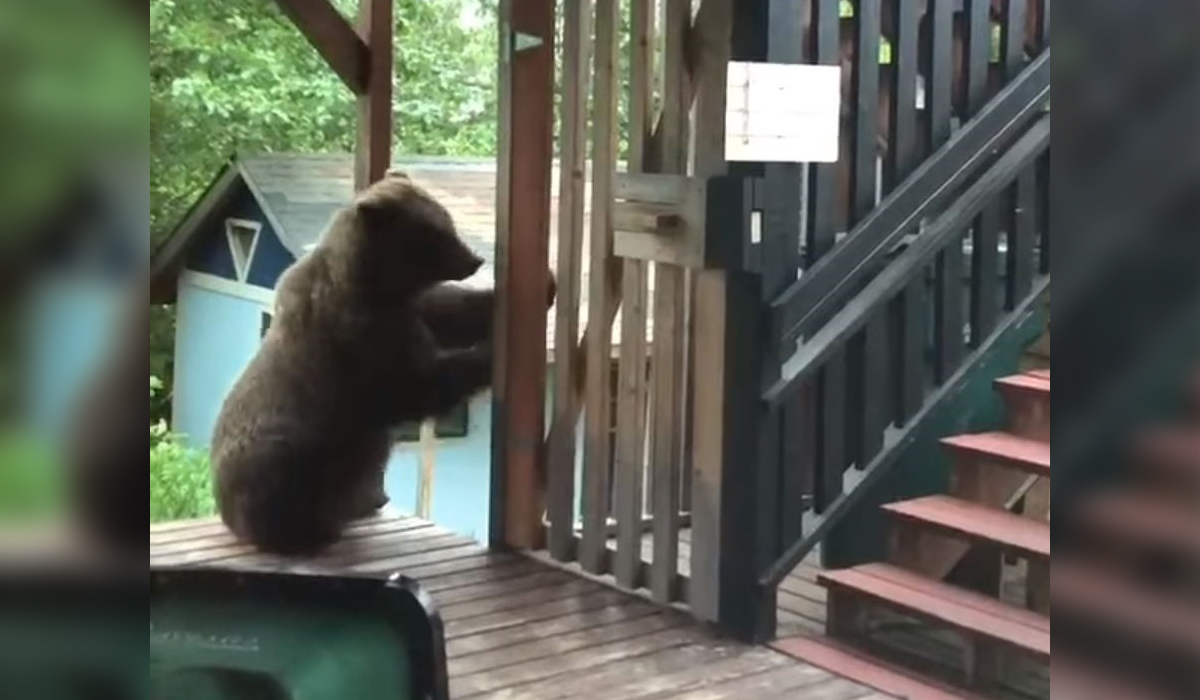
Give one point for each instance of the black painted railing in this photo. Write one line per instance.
(944, 255)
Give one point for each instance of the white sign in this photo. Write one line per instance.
(782, 113)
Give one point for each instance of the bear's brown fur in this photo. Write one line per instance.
(303, 437)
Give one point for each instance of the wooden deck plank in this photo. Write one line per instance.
(785, 681)
(649, 621)
(520, 680)
(563, 625)
(518, 628)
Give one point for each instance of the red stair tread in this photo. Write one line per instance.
(1029, 382)
(1103, 596)
(886, 677)
(1030, 455)
(963, 610)
(1144, 519)
(1040, 373)
(976, 522)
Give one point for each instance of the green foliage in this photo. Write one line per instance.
(30, 479)
(180, 480)
(235, 75)
(74, 76)
(228, 75)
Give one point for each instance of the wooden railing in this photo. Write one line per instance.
(783, 351)
(945, 253)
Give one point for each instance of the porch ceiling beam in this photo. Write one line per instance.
(332, 35)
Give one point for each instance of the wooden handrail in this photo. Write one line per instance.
(836, 276)
(921, 253)
(821, 524)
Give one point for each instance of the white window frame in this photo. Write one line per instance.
(241, 265)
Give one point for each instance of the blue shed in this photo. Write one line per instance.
(220, 267)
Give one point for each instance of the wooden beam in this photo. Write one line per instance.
(333, 37)
(373, 143)
(526, 118)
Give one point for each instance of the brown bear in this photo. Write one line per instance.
(304, 435)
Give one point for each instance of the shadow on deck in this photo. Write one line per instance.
(517, 628)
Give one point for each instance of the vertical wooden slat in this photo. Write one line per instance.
(939, 85)
(948, 266)
(868, 19)
(831, 454)
(911, 327)
(799, 459)
(902, 156)
(822, 177)
(978, 47)
(709, 84)
(985, 238)
(866, 400)
(781, 484)
(560, 453)
(985, 273)
(631, 400)
(822, 229)
(522, 251)
(667, 363)
(373, 144)
(1020, 202)
(948, 310)
(1020, 238)
(597, 402)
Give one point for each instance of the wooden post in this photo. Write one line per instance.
(526, 117)
(373, 142)
(738, 441)
(427, 445)
(362, 58)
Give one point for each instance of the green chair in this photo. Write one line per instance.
(224, 635)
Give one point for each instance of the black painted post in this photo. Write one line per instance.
(752, 477)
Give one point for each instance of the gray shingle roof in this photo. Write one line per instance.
(302, 192)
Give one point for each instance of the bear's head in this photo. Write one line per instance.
(411, 234)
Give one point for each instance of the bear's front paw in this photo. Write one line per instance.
(551, 290)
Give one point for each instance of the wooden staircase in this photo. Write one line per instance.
(972, 530)
(1133, 585)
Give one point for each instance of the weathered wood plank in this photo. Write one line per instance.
(560, 455)
(597, 450)
(510, 637)
(709, 332)
(667, 365)
(528, 578)
(515, 598)
(631, 381)
(554, 646)
(783, 682)
(533, 613)
(526, 115)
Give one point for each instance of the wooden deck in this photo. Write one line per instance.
(518, 628)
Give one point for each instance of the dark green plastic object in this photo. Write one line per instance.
(218, 635)
(238, 636)
(71, 637)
